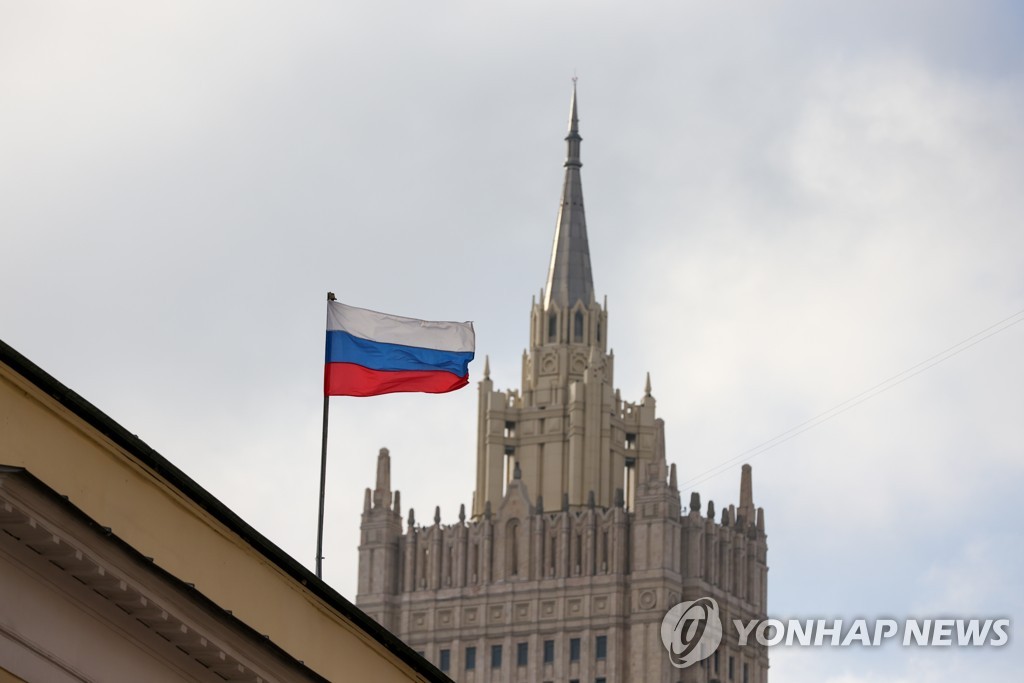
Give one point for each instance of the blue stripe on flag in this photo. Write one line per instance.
(343, 347)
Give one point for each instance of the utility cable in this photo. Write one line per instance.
(854, 401)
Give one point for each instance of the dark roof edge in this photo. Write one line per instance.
(181, 481)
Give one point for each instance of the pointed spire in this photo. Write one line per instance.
(569, 277)
(647, 385)
(487, 367)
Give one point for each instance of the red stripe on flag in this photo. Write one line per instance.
(349, 379)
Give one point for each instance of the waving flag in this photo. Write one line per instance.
(370, 353)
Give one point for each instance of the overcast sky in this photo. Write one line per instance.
(788, 203)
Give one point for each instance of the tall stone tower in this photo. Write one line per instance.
(577, 544)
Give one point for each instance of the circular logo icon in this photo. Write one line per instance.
(691, 631)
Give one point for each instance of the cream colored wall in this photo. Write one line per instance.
(117, 491)
(7, 677)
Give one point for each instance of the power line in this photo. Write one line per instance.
(854, 401)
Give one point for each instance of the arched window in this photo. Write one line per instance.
(577, 327)
(552, 327)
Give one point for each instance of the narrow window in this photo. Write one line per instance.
(510, 467)
(470, 658)
(745, 673)
(424, 556)
(629, 483)
(446, 657)
(510, 429)
(450, 570)
(601, 647)
(523, 652)
(551, 564)
(574, 650)
(495, 656)
(630, 444)
(730, 668)
(552, 327)
(549, 651)
(604, 551)
(512, 547)
(474, 562)
(577, 327)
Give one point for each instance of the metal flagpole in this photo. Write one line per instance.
(323, 484)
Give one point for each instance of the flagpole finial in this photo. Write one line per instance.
(330, 296)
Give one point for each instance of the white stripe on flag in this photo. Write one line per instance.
(395, 329)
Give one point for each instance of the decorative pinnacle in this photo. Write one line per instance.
(647, 385)
(487, 367)
(574, 119)
(437, 515)
(462, 513)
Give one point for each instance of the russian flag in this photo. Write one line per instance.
(371, 353)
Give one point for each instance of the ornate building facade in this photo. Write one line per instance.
(576, 544)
